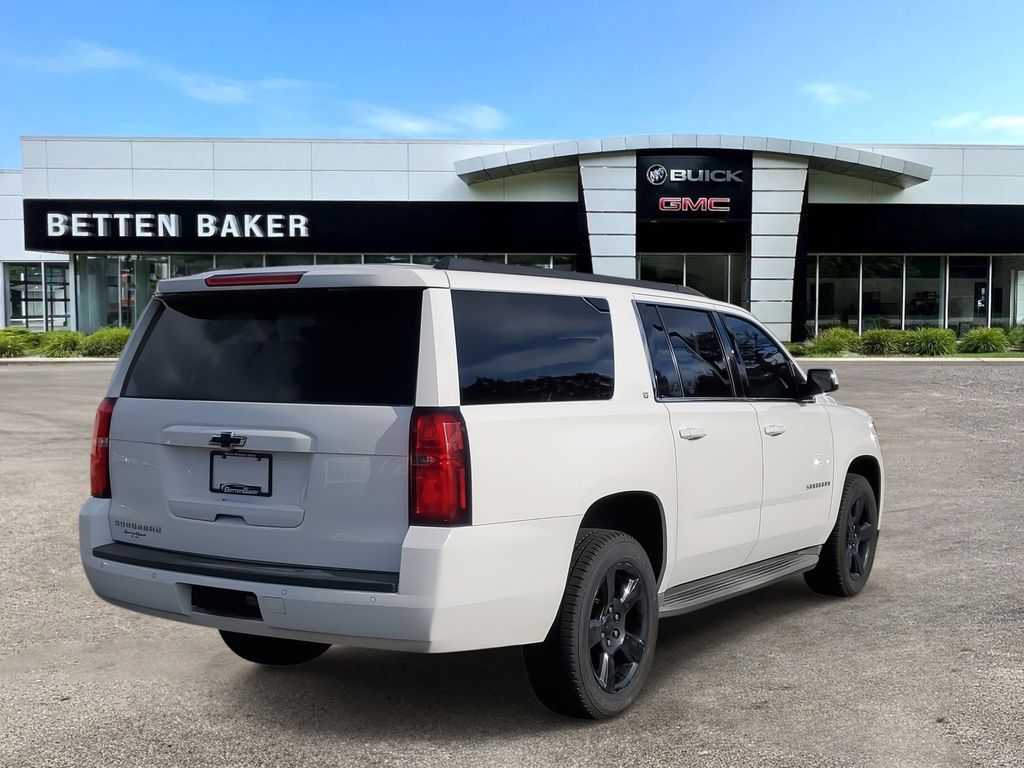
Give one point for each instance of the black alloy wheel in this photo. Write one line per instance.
(844, 564)
(596, 657)
(618, 627)
(860, 538)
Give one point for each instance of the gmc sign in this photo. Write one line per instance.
(716, 204)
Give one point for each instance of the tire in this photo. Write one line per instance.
(846, 558)
(273, 651)
(596, 657)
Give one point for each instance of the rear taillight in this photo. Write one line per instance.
(438, 468)
(99, 459)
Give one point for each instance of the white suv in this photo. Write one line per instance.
(467, 456)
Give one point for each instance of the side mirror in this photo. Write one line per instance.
(821, 381)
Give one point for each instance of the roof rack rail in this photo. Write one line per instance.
(457, 264)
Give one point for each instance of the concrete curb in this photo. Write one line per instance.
(58, 360)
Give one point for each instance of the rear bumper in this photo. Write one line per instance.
(458, 589)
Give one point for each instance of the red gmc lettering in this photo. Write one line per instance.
(713, 204)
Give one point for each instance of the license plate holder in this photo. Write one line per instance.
(241, 473)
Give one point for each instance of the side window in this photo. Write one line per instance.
(666, 379)
(525, 348)
(698, 350)
(769, 373)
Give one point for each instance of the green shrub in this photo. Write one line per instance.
(883, 342)
(60, 343)
(29, 339)
(798, 348)
(1016, 337)
(12, 345)
(106, 342)
(931, 341)
(835, 341)
(985, 340)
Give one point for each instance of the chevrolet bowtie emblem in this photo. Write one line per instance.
(227, 440)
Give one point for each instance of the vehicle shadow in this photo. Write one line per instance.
(469, 697)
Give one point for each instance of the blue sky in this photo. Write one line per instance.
(830, 71)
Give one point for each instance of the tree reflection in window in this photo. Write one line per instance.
(523, 348)
(698, 352)
(769, 373)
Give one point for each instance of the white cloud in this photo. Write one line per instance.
(79, 55)
(1008, 123)
(84, 55)
(963, 120)
(834, 94)
(477, 118)
(980, 122)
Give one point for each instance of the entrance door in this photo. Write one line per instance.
(797, 444)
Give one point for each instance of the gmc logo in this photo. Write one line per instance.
(713, 204)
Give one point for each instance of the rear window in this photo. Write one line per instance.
(357, 346)
(525, 348)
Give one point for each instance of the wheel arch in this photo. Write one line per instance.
(868, 467)
(637, 513)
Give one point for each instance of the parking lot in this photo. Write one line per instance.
(923, 669)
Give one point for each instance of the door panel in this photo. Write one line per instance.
(718, 457)
(797, 442)
(796, 439)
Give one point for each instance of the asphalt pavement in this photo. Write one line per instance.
(924, 668)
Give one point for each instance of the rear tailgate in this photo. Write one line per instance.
(270, 424)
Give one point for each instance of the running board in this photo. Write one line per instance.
(712, 589)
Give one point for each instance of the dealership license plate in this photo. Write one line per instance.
(241, 473)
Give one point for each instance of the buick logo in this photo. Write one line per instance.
(657, 175)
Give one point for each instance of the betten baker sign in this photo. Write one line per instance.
(688, 187)
(297, 226)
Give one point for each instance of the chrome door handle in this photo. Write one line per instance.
(774, 430)
(693, 433)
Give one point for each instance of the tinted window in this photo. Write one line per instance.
(521, 348)
(698, 351)
(769, 373)
(353, 346)
(666, 379)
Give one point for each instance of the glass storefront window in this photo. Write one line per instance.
(926, 291)
(882, 292)
(709, 274)
(339, 258)
(1007, 291)
(427, 259)
(237, 260)
(530, 260)
(716, 275)
(97, 291)
(386, 258)
(25, 299)
(739, 280)
(289, 260)
(183, 266)
(147, 272)
(838, 291)
(563, 262)
(58, 296)
(968, 293)
(805, 283)
(662, 267)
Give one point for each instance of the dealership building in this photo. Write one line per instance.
(804, 235)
